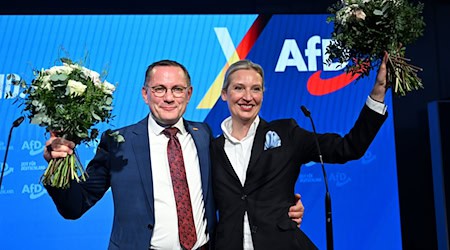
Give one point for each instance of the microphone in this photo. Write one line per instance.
(328, 217)
(16, 123)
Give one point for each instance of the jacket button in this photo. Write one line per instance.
(150, 226)
(244, 197)
(254, 229)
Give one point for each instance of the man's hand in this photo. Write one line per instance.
(57, 147)
(296, 212)
(381, 84)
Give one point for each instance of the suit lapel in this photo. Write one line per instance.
(254, 172)
(223, 158)
(258, 144)
(141, 149)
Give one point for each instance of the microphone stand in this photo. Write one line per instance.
(328, 217)
(16, 123)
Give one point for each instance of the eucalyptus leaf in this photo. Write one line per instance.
(96, 117)
(58, 77)
(378, 12)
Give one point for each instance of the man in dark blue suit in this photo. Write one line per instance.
(137, 170)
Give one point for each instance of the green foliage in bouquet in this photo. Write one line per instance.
(68, 100)
(365, 29)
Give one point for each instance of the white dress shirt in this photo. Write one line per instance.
(376, 106)
(165, 231)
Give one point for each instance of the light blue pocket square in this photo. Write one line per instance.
(272, 140)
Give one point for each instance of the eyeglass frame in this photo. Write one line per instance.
(172, 90)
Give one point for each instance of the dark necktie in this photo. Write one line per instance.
(186, 227)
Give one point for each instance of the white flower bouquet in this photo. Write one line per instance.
(364, 30)
(68, 100)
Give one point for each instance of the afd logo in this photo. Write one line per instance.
(7, 170)
(368, 158)
(34, 147)
(8, 89)
(291, 56)
(339, 178)
(34, 190)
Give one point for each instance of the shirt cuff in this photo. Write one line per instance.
(376, 106)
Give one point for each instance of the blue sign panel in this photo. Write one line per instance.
(291, 49)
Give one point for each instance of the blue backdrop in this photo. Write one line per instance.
(291, 49)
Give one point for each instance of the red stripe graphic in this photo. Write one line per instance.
(318, 86)
(252, 35)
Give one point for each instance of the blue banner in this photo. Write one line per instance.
(291, 49)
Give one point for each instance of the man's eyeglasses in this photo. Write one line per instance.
(160, 91)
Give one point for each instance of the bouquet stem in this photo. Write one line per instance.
(61, 171)
(402, 75)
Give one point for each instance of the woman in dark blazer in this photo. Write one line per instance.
(256, 163)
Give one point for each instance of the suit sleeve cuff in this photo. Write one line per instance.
(376, 106)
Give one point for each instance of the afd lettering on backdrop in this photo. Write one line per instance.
(34, 190)
(34, 147)
(291, 56)
(339, 178)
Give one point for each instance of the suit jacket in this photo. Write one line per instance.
(126, 168)
(268, 191)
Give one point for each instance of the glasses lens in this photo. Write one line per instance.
(178, 91)
(159, 91)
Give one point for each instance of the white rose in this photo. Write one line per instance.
(59, 70)
(75, 88)
(96, 80)
(66, 70)
(90, 73)
(108, 88)
(359, 14)
(72, 66)
(93, 75)
(53, 70)
(97, 83)
(46, 83)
